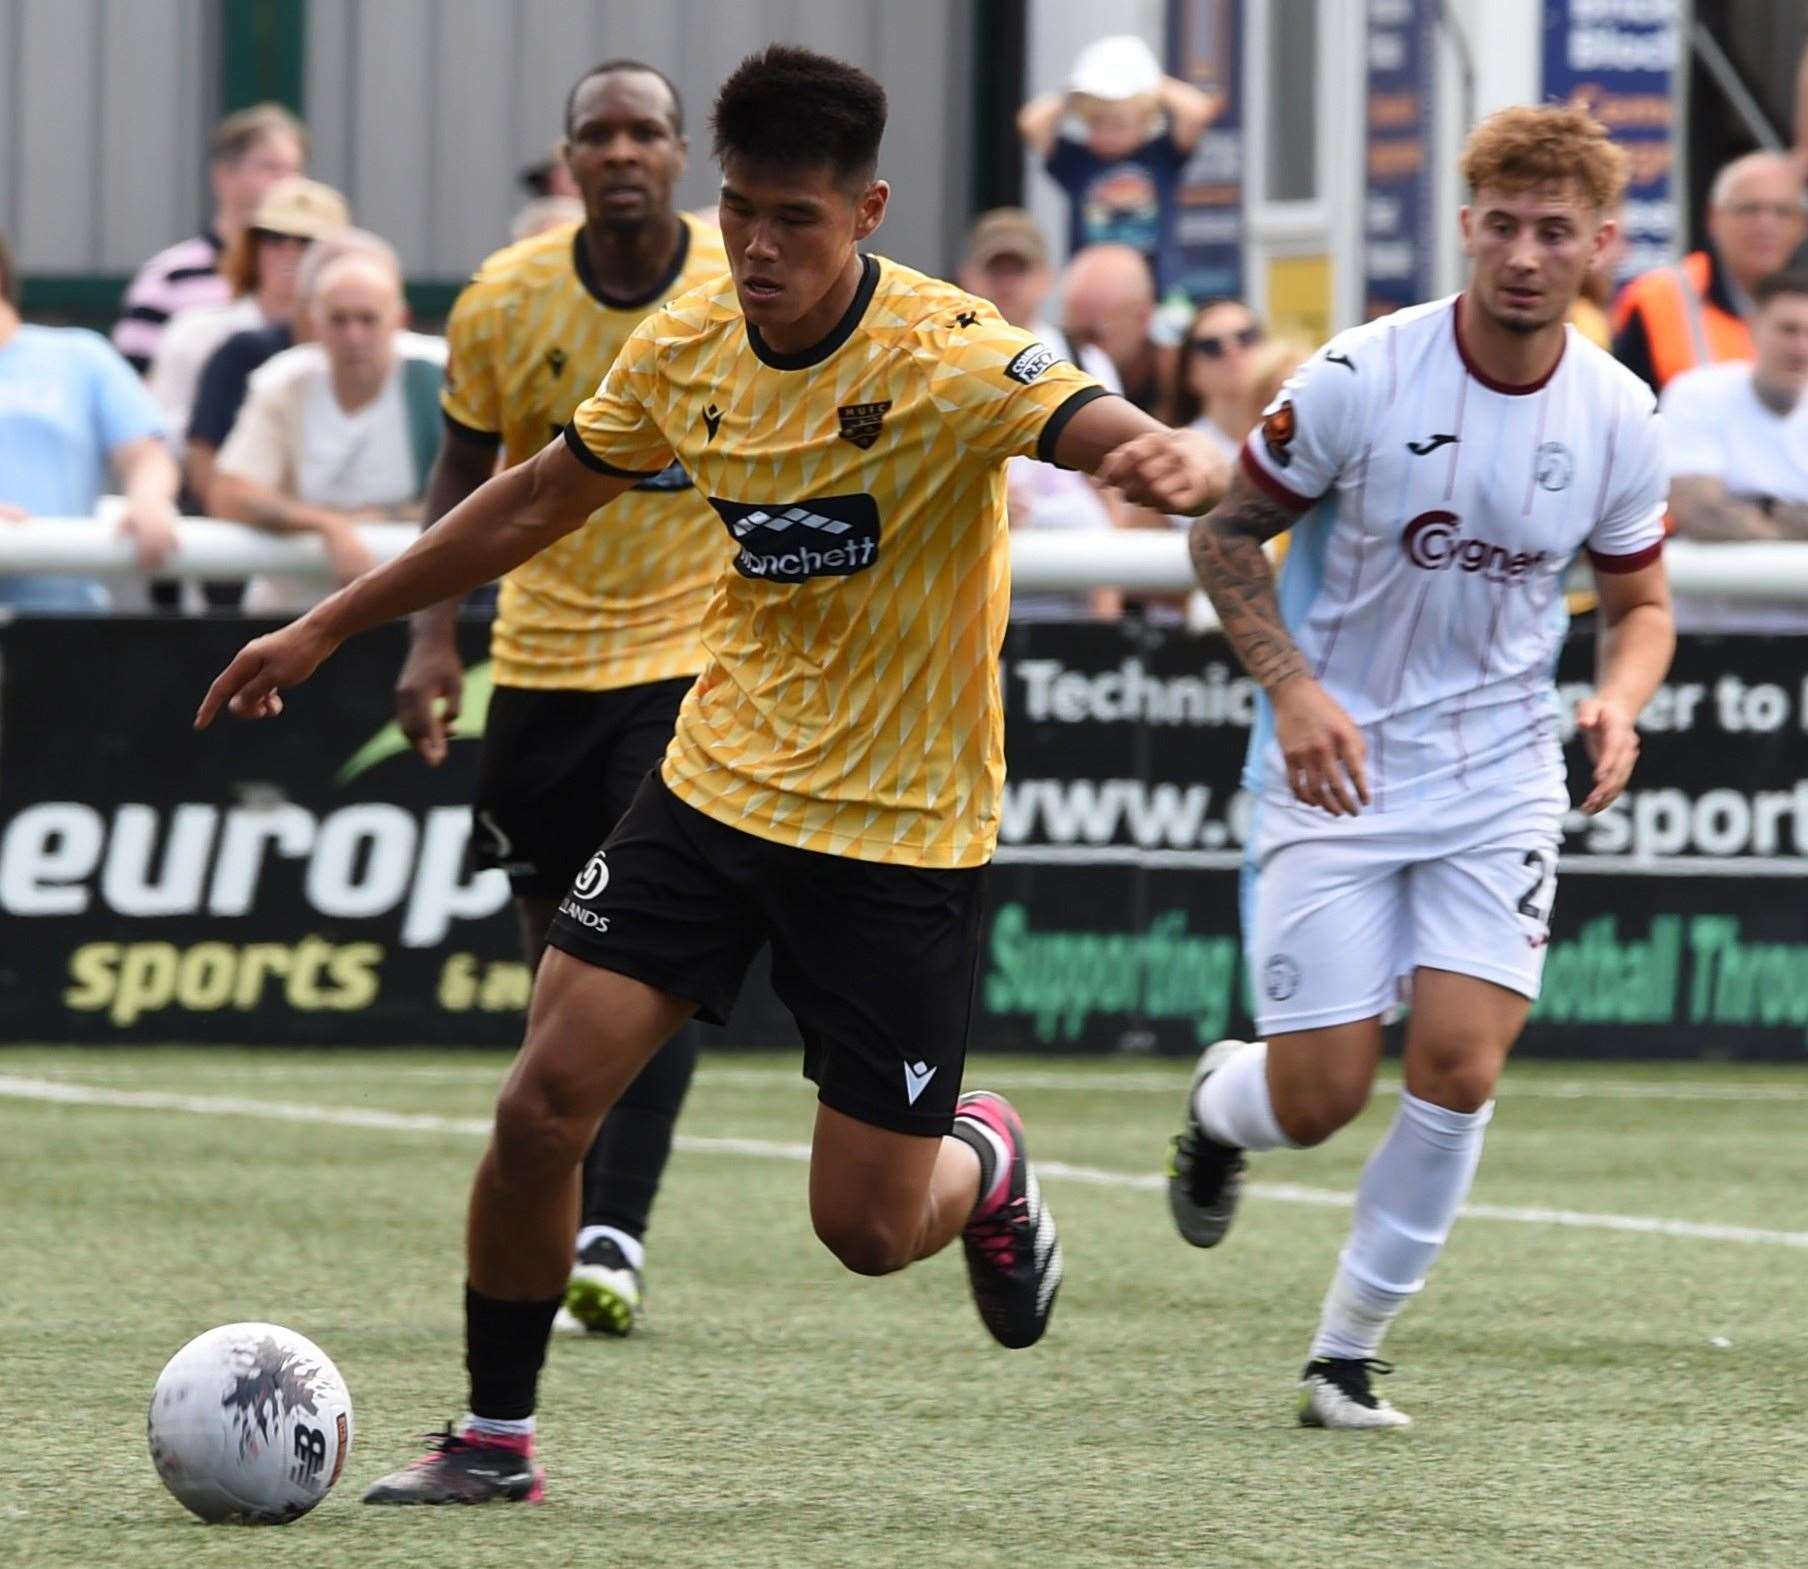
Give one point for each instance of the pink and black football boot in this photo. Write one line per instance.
(1013, 1254)
(466, 1468)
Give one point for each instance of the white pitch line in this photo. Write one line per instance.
(14, 1087)
(1121, 1082)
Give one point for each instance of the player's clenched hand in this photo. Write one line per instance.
(1326, 757)
(251, 686)
(1613, 743)
(1171, 471)
(427, 695)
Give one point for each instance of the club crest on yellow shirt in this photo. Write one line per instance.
(861, 422)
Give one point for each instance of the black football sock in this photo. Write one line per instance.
(626, 1161)
(505, 1345)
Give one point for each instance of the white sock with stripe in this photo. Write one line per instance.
(1411, 1190)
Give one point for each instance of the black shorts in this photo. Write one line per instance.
(558, 770)
(876, 963)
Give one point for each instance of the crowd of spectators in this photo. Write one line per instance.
(263, 369)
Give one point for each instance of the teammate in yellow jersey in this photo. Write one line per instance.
(597, 637)
(833, 784)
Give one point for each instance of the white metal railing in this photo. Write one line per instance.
(1137, 561)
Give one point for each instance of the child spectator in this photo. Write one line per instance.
(1103, 141)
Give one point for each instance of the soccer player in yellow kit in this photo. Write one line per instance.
(833, 784)
(597, 638)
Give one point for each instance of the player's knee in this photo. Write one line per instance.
(1313, 1118)
(863, 1244)
(536, 1137)
(1465, 1086)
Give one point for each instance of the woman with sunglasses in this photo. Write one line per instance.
(1214, 372)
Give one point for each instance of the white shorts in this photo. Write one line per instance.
(1343, 910)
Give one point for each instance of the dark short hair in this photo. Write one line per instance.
(791, 108)
(616, 68)
(1773, 286)
(9, 275)
(238, 133)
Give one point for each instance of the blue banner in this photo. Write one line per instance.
(1205, 47)
(1398, 253)
(1620, 58)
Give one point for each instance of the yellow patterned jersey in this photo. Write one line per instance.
(616, 603)
(851, 701)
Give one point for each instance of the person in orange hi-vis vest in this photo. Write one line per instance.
(1696, 312)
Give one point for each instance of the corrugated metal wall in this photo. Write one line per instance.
(104, 106)
(422, 111)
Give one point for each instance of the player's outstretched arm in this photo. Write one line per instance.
(1638, 640)
(1325, 754)
(1120, 446)
(510, 518)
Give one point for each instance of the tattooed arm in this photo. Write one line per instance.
(1325, 754)
(1226, 547)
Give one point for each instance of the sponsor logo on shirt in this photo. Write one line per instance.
(1031, 363)
(826, 536)
(1278, 430)
(1435, 542)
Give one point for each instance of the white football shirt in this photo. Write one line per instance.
(1717, 427)
(1424, 584)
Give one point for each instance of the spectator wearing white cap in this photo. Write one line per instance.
(260, 266)
(1120, 166)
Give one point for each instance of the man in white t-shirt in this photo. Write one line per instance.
(1738, 449)
(336, 432)
(1440, 468)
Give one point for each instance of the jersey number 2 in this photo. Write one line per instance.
(1536, 905)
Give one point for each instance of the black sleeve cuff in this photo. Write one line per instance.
(591, 461)
(1057, 422)
(470, 433)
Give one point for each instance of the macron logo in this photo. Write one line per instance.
(916, 1079)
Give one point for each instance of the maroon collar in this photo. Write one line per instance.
(1511, 389)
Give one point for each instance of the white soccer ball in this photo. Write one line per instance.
(250, 1423)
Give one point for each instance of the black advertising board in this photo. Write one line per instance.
(304, 881)
(1681, 922)
(301, 881)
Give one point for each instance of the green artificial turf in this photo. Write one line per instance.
(1574, 1402)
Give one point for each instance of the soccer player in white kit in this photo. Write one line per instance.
(1440, 469)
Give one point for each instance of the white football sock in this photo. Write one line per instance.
(631, 1247)
(1411, 1189)
(1233, 1104)
(497, 1427)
